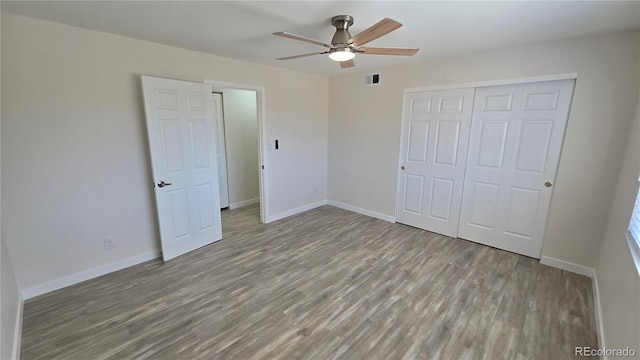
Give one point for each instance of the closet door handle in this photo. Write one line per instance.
(548, 184)
(163, 184)
(402, 167)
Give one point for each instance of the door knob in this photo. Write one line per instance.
(163, 184)
(548, 184)
(402, 167)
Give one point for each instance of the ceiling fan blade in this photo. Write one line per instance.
(300, 56)
(387, 51)
(301, 38)
(383, 27)
(347, 64)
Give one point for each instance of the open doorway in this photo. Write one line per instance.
(240, 136)
(238, 141)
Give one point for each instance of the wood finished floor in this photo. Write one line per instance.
(325, 284)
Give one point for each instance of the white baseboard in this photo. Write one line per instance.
(295, 211)
(565, 265)
(591, 273)
(87, 275)
(17, 333)
(362, 211)
(596, 304)
(240, 204)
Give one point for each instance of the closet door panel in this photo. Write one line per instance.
(435, 136)
(514, 149)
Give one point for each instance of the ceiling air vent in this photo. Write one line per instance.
(372, 79)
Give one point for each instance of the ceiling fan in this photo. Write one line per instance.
(344, 47)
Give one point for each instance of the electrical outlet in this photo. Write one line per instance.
(108, 244)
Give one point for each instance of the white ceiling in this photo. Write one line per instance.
(242, 29)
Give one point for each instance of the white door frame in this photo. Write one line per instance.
(565, 76)
(262, 125)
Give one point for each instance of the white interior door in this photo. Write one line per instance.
(221, 153)
(433, 150)
(182, 144)
(516, 137)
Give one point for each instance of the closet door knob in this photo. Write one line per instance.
(548, 184)
(402, 167)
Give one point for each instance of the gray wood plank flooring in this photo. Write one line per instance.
(325, 284)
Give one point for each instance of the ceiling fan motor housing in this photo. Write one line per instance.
(341, 37)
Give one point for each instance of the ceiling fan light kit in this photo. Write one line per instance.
(342, 54)
(344, 47)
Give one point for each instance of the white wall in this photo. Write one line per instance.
(241, 131)
(75, 167)
(364, 129)
(11, 307)
(618, 278)
(10, 298)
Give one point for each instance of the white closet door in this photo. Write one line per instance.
(516, 137)
(435, 135)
